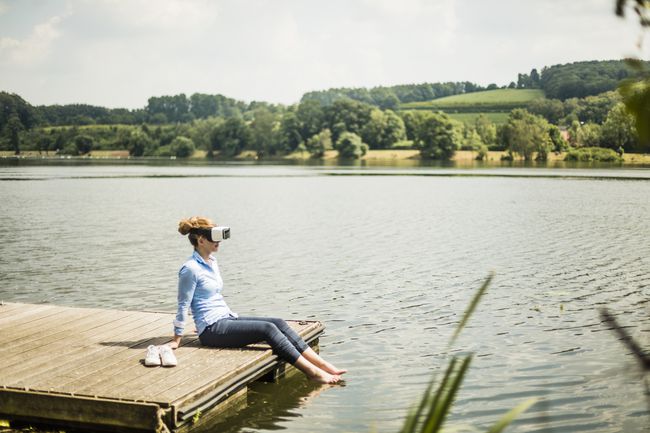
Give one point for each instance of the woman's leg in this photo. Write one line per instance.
(240, 333)
(295, 339)
(302, 347)
(313, 357)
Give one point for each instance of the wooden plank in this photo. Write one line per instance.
(42, 327)
(6, 308)
(91, 384)
(70, 354)
(216, 366)
(45, 407)
(132, 374)
(41, 345)
(26, 314)
(94, 354)
(19, 328)
(73, 325)
(114, 364)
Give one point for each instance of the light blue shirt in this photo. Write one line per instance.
(199, 288)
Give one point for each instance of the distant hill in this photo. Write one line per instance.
(578, 79)
(581, 79)
(488, 100)
(495, 104)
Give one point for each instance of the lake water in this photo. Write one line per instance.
(388, 259)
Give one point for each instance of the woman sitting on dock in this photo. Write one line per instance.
(200, 286)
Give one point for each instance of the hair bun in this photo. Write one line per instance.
(184, 226)
(187, 224)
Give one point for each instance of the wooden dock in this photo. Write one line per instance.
(83, 367)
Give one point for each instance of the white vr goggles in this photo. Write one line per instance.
(215, 234)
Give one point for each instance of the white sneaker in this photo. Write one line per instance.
(153, 356)
(167, 356)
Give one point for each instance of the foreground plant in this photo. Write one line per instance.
(435, 405)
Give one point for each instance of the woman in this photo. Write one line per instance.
(200, 286)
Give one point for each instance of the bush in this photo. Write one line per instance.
(482, 153)
(83, 144)
(349, 145)
(182, 147)
(593, 154)
(318, 144)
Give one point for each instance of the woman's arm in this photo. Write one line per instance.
(186, 287)
(176, 341)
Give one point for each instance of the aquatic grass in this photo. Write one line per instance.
(434, 406)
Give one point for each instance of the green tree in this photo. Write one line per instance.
(318, 144)
(84, 144)
(311, 117)
(434, 136)
(471, 140)
(486, 129)
(551, 109)
(12, 105)
(182, 147)
(384, 98)
(231, 137)
(290, 132)
(619, 131)
(525, 133)
(589, 135)
(559, 143)
(353, 114)
(350, 146)
(262, 132)
(383, 129)
(200, 131)
(12, 129)
(139, 143)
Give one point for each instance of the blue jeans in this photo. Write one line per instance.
(242, 331)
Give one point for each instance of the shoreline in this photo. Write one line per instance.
(397, 157)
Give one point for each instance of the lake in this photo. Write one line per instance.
(388, 259)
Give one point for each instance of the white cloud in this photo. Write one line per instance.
(120, 52)
(159, 15)
(35, 48)
(3, 7)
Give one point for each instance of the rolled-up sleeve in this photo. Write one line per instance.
(186, 286)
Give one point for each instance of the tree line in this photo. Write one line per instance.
(347, 126)
(575, 80)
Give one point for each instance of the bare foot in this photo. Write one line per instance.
(324, 377)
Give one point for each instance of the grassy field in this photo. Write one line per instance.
(497, 117)
(495, 104)
(488, 98)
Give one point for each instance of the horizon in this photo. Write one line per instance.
(117, 54)
(500, 86)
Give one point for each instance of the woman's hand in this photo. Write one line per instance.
(176, 341)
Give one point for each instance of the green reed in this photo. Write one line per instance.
(436, 403)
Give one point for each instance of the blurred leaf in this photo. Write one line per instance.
(511, 415)
(636, 97)
(445, 396)
(471, 307)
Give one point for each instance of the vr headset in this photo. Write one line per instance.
(215, 234)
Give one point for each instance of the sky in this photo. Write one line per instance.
(118, 53)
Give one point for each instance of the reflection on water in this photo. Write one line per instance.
(268, 409)
(387, 260)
